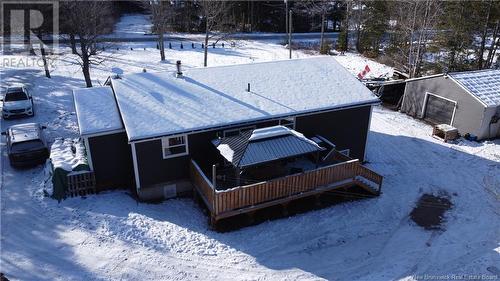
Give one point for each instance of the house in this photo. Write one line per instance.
(224, 130)
(468, 101)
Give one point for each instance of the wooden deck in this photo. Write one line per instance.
(248, 198)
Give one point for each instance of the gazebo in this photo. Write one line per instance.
(265, 153)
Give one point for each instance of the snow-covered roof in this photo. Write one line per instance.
(264, 145)
(158, 104)
(96, 110)
(484, 84)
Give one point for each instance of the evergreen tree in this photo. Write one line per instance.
(376, 25)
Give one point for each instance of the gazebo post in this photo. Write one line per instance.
(214, 182)
(317, 159)
(238, 178)
(214, 176)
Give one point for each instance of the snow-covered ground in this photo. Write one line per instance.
(111, 237)
(132, 25)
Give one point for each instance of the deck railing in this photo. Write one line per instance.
(223, 202)
(203, 185)
(370, 175)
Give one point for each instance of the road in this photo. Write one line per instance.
(200, 37)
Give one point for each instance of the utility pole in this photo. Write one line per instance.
(290, 34)
(286, 16)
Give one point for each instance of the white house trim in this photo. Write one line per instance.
(88, 152)
(136, 169)
(368, 133)
(425, 77)
(103, 133)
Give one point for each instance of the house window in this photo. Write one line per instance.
(237, 131)
(288, 122)
(174, 146)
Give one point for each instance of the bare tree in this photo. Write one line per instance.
(90, 19)
(494, 45)
(213, 12)
(415, 22)
(161, 12)
(66, 27)
(484, 34)
(317, 8)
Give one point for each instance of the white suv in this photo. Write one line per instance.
(17, 102)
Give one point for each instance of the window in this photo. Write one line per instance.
(288, 122)
(16, 96)
(174, 146)
(235, 132)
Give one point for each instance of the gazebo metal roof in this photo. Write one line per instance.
(264, 145)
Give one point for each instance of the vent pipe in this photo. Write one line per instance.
(179, 71)
(248, 88)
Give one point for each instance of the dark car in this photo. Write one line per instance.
(26, 145)
(17, 102)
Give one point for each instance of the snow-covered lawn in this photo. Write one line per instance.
(111, 237)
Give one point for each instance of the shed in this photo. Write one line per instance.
(468, 101)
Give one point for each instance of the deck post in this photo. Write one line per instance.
(213, 222)
(251, 218)
(380, 187)
(317, 200)
(284, 209)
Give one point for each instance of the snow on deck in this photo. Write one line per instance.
(156, 104)
(96, 110)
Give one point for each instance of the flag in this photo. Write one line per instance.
(363, 73)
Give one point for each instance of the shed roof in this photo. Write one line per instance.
(264, 145)
(483, 84)
(96, 110)
(159, 104)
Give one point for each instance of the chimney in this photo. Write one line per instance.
(179, 72)
(248, 88)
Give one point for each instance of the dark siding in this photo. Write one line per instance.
(153, 169)
(112, 161)
(347, 128)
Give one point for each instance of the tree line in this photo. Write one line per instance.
(416, 36)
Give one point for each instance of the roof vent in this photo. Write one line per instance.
(179, 70)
